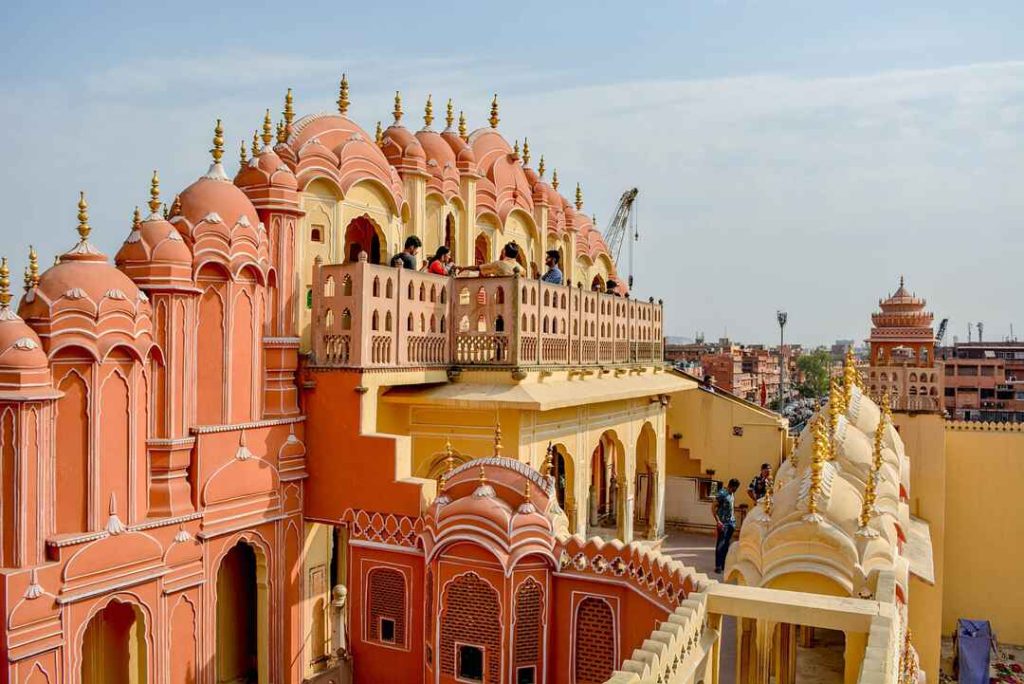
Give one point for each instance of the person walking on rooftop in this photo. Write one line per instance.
(725, 521)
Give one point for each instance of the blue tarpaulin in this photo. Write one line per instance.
(973, 644)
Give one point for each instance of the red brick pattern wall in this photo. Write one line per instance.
(595, 641)
(387, 599)
(471, 615)
(528, 624)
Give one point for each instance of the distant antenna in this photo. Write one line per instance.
(968, 332)
(981, 329)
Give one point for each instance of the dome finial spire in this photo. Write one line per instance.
(289, 111)
(378, 136)
(255, 144)
(428, 112)
(526, 151)
(901, 280)
(497, 438)
(449, 115)
(154, 190)
(463, 129)
(397, 111)
(5, 284)
(217, 151)
(515, 149)
(343, 101)
(243, 154)
(579, 197)
(494, 120)
(540, 167)
(83, 217)
(282, 132)
(268, 129)
(136, 219)
(33, 265)
(554, 179)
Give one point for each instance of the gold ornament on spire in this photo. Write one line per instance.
(851, 377)
(33, 265)
(579, 197)
(593, 220)
(282, 132)
(268, 129)
(136, 219)
(5, 284)
(493, 119)
(154, 190)
(343, 101)
(549, 461)
(243, 155)
(835, 410)
(428, 112)
(255, 144)
(463, 129)
(176, 206)
(397, 111)
(540, 167)
(515, 149)
(483, 476)
(526, 151)
(769, 501)
(554, 179)
(449, 115)
(289, 111)
(378, 136)
(497, 438)
(83, 217)
(28, 280)
(818, 455)
(526, 492)
(217, 151)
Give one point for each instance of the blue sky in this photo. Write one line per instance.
(788, 154)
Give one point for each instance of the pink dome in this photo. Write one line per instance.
(24, 368)
(266, 170)
(441, 164)
(403, 150)
(465, 160)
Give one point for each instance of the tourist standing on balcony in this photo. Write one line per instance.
(612, 288)
(507, 265)
(760, 484)
(441, 262)
(554, 273)
(725, 521)
(407, 257)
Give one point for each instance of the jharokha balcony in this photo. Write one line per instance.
(367, 315)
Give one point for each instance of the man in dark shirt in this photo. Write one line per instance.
(407, 257)
(725, 522)
(760, 484)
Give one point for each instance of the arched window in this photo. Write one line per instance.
(346, 285)
(423, 292)
(412, 291)
(376, 286)
(387, 322)
(375, 321)
(389, 290)
(499, 324)
(346, 320)
(544, 325)
(499, 295)
(481, 323)
(408, 325)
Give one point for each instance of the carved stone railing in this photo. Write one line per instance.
(366, 315)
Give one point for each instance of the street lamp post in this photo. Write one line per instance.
(781, 317)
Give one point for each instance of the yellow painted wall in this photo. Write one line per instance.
(984, 554)
(319, 544)
(923, 437)
(706, 421)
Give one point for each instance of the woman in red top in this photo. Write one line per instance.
(441, 262)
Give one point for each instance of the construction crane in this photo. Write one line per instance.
(942, 332)
(623, 223)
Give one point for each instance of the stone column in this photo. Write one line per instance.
(339, 641)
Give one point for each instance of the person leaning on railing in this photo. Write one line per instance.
(507, 265)
(407, 257)
(554, 274)
(441, 263)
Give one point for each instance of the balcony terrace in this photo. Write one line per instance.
(372, 316)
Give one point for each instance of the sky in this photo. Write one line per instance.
(789, 155)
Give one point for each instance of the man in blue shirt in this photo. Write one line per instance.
(725, 522)
(554, 273)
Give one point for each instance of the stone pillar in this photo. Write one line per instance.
(339, 640)
(853, 655)
(785, 654)
(592, 506)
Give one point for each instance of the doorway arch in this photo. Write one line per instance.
(481, 249)
(362, 235)
(114, 646)
(607, 488)
(563, 471)
(243, 643)
(645, 505)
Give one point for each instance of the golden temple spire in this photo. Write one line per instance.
(851, 377)
(526, 151)
(769, 501)
(343, 101)
(378, 136)
(540, 167)
(554, 179)
(526, 492)
(5, 284)
(493, 119)
(428, 112)
(33, 265)
(176, 206)
(515, 149)
(154, 190)
(579, 197)
(449, 115)
(289, 111)
(243, 155)
(483, 475)
(449, 454)
(497, 438)
(268, 129)
(28, 280)
(255, 144)
(397, 111)
(818, 455)
(136, 219)
(835, 410)
(83, 214)
(593, 220)
(463, 129)
(282, 132)
(442, 482)
(217, 151)
(548, 461)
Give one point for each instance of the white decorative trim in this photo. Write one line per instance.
(115, 293)
(25, 344)
(213, 217)
(133, 237)
(75, 293)
(34, 589)
(216, 172)
(254, 425)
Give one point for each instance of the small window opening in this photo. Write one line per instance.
(387, 630)
(471, 663)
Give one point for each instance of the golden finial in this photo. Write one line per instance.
(540, 166)
(243, 155)
(579, 197)
(526, 151)
(526, 492)
(397, 111)
(282, 132)
(33, 265)
(268, 129)
(428, 112)
(289, 112)
(5, 284)
(343, 101)
(497, 438)
(483, 475)
(493, 120)
(83, 216)
(887, 405)
(463, 129)
(866, 507)
(449, 454)
(442, 482)
(515, 149)
(28, 280)
(218, 143)
(449, 115)
(593, 220)
(850, 377)
(136, 219)
(835, 409)
(548, 461)
(819, 454)
(154, 190)
(378, 136)
(255, 144)
(554, 179)
(176, 206)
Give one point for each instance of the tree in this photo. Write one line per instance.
(816, 371)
